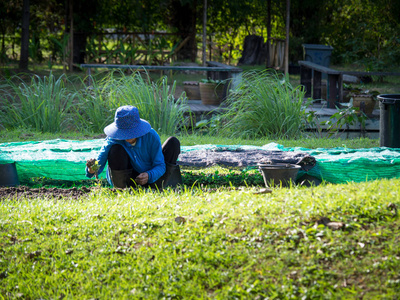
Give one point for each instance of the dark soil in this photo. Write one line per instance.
(53, 193)
(25, 192)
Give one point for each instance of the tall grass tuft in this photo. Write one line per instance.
(264, 105)
(43, 104)
(94, 109)
(154, 99)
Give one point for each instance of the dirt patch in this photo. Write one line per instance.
(31, 193)
(25, 192)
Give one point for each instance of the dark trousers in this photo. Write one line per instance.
(118, 158)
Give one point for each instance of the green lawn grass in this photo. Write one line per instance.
(24, 135)
(201, 244)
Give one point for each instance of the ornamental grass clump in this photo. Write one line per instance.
(95, 109)
(154, 99)
(264, 105)
(43, 104)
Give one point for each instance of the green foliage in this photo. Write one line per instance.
(229, 22)
(264, 105)
(338, 122)
(210, 80)
(224, 244)
(43, 104)
(309, 23)
(366, 33)
(53, 105)
(208, 127)
(95, 109)
(345, 117)
(104, 51)
(58, 45)
(362, 31)
(35, 53)
(220, 178)
(154, 99)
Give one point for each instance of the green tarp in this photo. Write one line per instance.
(65, 160)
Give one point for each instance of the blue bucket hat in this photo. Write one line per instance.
(127, 124)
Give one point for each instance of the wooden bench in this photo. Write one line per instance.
(311, 77)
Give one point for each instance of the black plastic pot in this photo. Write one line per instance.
(279, 174)
(389, 131)
(8, 175)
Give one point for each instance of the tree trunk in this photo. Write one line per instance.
(76, 41)
(79, 46)
(287, 37)
(254, 51)
(71, 35)
(23, 61)
(184, 20)
(3, 43)
(204, 33)
(268, 62)
(81, 16)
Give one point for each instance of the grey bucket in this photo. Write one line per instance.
(8, 175)
(279, 174)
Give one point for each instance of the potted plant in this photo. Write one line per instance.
(211, 91)
(364, 100)
(348, 91)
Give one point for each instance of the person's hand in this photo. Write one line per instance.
(92, 165)
(142, 178)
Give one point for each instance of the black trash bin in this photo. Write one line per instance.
(318, 54)
(389, 132)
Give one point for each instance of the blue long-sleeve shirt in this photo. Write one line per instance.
(145, 156)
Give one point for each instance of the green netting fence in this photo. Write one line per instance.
(65, 160)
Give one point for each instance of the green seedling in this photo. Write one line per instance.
(94, 165)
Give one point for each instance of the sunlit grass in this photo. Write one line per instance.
(200, 244)
(310, 143)
(19, 135)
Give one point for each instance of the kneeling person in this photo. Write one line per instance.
(135, 155)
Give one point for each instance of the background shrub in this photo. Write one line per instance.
(43, 104)
(264, 105)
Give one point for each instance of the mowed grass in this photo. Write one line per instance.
(205, 244)
(26, 135)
